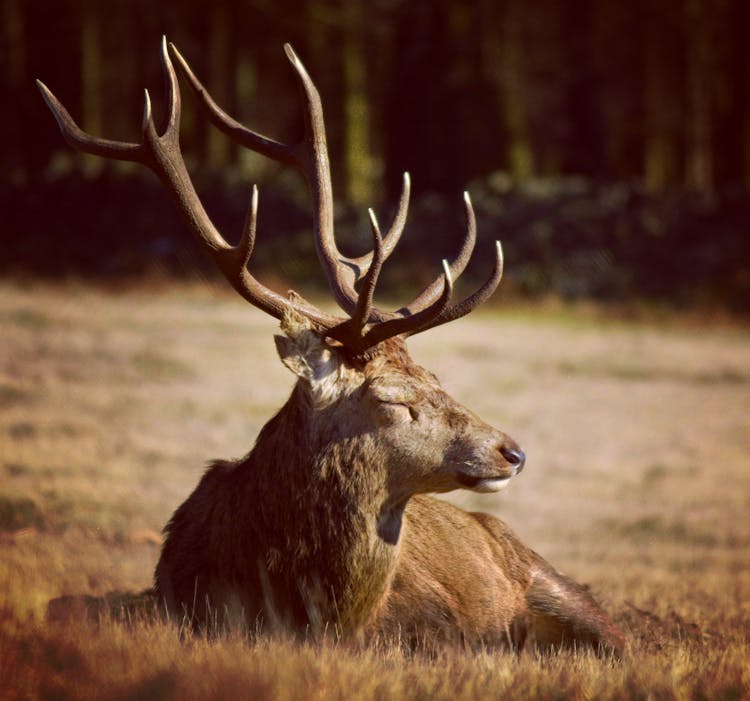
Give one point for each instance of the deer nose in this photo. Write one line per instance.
(516, 458)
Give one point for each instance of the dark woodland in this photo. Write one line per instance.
(607, 144)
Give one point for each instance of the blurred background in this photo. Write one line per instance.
(607, 144)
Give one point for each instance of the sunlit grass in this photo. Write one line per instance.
(637, 485)
(146, 661)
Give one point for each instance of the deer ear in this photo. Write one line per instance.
(305, 352)
(308, 357)
(291, 357)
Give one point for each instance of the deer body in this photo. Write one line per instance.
(466, 577)
(312, 517)
(325, 523)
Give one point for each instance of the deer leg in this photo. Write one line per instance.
(564, 614)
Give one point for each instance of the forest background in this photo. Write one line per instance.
(606, 144)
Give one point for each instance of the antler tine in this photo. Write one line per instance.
(247, 241)
(350, 332)
(415, 317)
(342, 272)
(364, 302)
(233, 260)
(312, 154)
(248, 138)
(420, 319)
(392, 236)
(430, 293)
(80, 140)
(174, 104)
(107, 148)
(471, 302)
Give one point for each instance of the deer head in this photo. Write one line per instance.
(414, 437)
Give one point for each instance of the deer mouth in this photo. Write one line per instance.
(483, 485)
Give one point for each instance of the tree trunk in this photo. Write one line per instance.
(358, 159)
(504, 56)
(659, 138)
(14, 49)
(221, 73)
(699, 30)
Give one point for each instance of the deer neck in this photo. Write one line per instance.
(353, 513)
(339, 538)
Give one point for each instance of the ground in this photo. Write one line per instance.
(637, 483)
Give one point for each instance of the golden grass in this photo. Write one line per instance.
(637, 484)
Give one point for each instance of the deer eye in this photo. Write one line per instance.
(397, 412)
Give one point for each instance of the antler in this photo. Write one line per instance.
(365, 325)
(161, 153)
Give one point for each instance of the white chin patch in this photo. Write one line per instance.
(491, 485)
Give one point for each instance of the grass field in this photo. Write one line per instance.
(637, 483)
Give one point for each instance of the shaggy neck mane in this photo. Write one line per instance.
(325, 482)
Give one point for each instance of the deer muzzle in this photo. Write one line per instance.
(497, 462)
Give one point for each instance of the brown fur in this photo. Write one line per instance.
(324, 524)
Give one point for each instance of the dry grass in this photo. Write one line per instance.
(637, 483)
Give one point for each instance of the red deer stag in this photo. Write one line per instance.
(326, 521)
